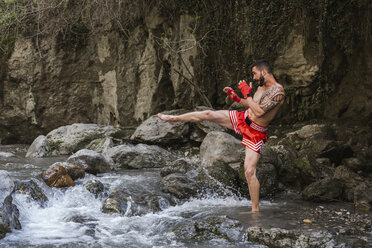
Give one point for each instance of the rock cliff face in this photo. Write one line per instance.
(180, 55)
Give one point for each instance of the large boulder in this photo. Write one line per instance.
(155, 131)
(317, 141)
(289, 175)
(179, 185)
(350, 179)
(277, 237)
(181, 165)
(218, 179)
(221, 147)
(68, 139)
(189, 180)
(357, 188)
(140, 156)
(92, 162)
(311, 131)
(309, 154)
(39, 148)
(101, 145)
(122, 201)
(325, 190)
(32, 190)
(209, 228)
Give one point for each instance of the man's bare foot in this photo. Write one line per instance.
(167, 118)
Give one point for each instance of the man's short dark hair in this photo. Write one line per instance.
(262, 64)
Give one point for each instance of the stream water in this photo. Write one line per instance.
(55, 225)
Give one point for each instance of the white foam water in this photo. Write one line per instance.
(73, 217)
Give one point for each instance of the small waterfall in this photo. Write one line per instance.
(73, 217)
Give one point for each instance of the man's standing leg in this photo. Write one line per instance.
(250, 164)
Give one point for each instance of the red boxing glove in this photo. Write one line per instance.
(233, 96)
(245, 89)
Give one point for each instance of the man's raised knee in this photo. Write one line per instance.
(208, 115)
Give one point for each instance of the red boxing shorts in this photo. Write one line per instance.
(254, 135)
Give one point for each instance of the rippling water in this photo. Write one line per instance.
(73, 217)
(51, 225)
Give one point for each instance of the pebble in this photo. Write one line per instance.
(308, 221)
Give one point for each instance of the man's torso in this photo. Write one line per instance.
(264, 97)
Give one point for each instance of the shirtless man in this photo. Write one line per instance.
(251, 124)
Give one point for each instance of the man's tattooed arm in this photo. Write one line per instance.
(271, 98)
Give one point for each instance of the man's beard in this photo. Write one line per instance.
(261, 81)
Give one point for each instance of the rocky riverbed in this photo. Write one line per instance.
(108, 186)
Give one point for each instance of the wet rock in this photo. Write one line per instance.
(289, 174)
(277, 237)
(39, 148)
(180, 165)
(10, 213)
(155, 131)
(209, 228)
(75, 171)
(140, 156)
(310, 170)
(4, 225)
(325, 190)
(122, 202)
(92, 162)
(32, 189)
(6, 185)
(112, 205)
(218, 179)
(101, 145)
(270, 155)
(159, 203)
(80, 219)
(72, 138)
(56, 176)
(179, 185)
(94, 186)
(221, 147)
(6, 155)
(267, 175)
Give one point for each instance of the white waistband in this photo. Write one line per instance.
(254, 125)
